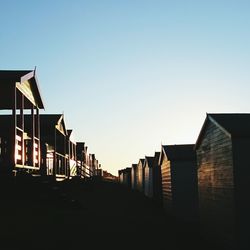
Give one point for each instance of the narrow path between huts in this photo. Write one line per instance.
(38, 214)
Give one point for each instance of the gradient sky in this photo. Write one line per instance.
(130, 75)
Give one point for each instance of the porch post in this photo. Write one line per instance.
(32, 137)
(38, 137)
(55, 156)
(22, 127)
(13, 135)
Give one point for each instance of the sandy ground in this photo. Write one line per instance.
(39, 214)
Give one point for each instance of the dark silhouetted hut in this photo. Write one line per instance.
(86, 161)
(134, 176)
(120, 176)
(81, 155)
(127, 177)
(19, 149)
(179, 180)
(223, 148)
(54, 145)
(93, 164)
(157, 182)
(99, 172)
(153, 177)
(140, 174)
(124, 176)
(71, 151)
(148, 176)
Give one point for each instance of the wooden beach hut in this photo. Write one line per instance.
(179, 181)
(54, 144)
(148, 176)
(157, 181)
(71, 151)
(134, 176)
(124, 177)
(92, 164)
(153, 177)
(81, 155)
(19, 95)
(140, 174)
(127, 177)
(222, 149)
(120, 176)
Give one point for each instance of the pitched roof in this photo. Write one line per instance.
(14, 75)
(48, 122)
(134, 165)
(80, 146)
(46, 119)
(142, 161)
(69, 132)
(179, 152)
(128, 170)
(156, 159)
(9, 77)
(149, 160)
(235, 124)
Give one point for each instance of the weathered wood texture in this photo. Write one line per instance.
(216, 181)
(166, 185)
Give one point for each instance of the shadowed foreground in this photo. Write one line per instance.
(38, 214)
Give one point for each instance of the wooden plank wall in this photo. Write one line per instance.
(216, 182)
(166, 185)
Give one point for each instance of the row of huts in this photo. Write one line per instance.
(39, 144)
(207, 182)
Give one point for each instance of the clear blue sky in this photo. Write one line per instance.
(132, 74)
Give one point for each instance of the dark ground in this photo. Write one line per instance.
(38, 214)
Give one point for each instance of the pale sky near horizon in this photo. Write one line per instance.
(130, 75)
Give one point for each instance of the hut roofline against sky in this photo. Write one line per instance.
(20, 77)
(178, 152)
(233, 124)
